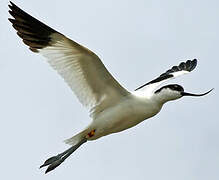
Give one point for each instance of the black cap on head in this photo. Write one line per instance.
(174, 87)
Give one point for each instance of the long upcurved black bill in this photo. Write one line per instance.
(190, 94)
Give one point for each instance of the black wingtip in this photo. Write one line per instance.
(34, 33)
(195, 62)
(11, 5)
(188, 65)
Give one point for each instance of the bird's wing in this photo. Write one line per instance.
(175, 71)
(81, 68)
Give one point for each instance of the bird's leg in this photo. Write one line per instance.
(55, 161)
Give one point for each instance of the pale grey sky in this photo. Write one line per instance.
(137, 41)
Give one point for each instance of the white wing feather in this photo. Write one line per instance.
(84, 72)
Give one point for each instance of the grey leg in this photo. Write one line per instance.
(55, 161)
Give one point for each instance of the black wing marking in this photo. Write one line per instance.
(189, 65)
(34, 33)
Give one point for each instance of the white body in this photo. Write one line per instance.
(127, 113)
(123, 114)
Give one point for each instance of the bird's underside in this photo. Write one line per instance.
(112, 107)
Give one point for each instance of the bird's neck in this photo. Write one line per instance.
(151, 97)
(160, 98)
(156, 98)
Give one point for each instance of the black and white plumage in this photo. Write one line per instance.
(112, 107)
(175, 71)
(81, 69)
(183, 68)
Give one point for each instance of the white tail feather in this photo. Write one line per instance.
(76, 138)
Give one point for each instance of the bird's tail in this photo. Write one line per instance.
(77, 138)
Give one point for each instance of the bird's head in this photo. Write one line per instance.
(172, 92)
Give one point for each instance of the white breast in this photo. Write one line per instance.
(128, 113)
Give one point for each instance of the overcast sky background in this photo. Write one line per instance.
(137, 41)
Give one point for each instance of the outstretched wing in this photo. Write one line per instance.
(175, 71)
(81, 68)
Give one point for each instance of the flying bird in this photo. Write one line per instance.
(112, 107)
